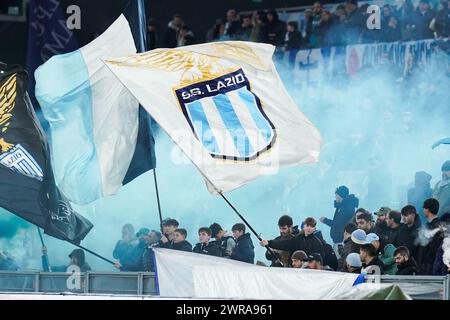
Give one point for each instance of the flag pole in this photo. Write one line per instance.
(251, 228)
(142, 47)
(43, 245)
(93, 253)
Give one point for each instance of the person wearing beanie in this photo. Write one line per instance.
(345, 204)
(224, 239)
(77, 258)
(420, 192)
(353, 263)
(298, 259)
(441, 190)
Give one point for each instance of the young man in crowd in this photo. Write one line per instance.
(179, 240)
(426, 253)
(77, 258)
(305, 241)
(393, 221)
(369, 258)
(244, 250)
(285, 226)
(348, 246)
(298, 259)
(135, 262)
(205, 246)
(148, 258)
(364, 222)
(224, 239)
(169, 226)
(410, 230)
(381, 228)
(406, 265)
(315, 262)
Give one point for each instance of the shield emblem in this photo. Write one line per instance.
(227, 117)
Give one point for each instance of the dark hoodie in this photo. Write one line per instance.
(329, 258)
(211, 249)
(244, 250)
(406, 236)
(343, 214)
(407, 268)
(78, 253)
(182, 246)
(276, 30)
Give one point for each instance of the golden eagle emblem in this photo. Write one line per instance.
(7, 104)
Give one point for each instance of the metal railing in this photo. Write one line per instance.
(144, 284)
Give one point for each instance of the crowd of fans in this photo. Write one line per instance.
(344, 24)
(395, 242)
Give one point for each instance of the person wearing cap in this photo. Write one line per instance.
(298, 259)
(315, 262)
(385, 253)
(353, 263)
(420, 192)
(285, 223)
(381, 228)
(406, 265)
(223, 238)
(345, 204)
(441, 190)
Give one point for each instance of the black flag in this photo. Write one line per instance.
(27, 185)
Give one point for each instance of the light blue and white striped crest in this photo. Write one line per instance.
(19, 160)
(227, 117)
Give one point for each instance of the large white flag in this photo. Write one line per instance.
(225, 106)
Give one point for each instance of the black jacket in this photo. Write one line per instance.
(382, 231)
(344, 212)
(375, 262)
(407, 236)
(407, 268)
(270, 257)
(310, 244)
(211, 249)
(182, 246)
(329, 257)
(427, 254)
(244, 250)
(348, 247)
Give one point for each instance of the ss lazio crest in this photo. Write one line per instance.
(227, 117)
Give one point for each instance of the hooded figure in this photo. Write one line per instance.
(79, 259)
(345, 205)
(275, 29)
(420, 192)
(441, 190)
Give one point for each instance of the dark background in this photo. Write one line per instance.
(97, 15)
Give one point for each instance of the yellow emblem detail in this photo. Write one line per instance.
(7, 104)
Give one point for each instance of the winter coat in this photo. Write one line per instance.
(393, 236)
(439, 267)
(344, 212)
(441, 193)
(275, 30)
(407, 236)
(310, 244)
(134, 263)
(407, 268)
(284, 256)
(292, 41)
(348, 247)
(427, 254)
(123, 251)
(374, 262)
(182, 246)
(226, 244)
(329, 256)
(244, 250)
(382, 231)
(211, 249)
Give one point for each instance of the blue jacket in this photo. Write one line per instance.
(342, 215)
(244, 250)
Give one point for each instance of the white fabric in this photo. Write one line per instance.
(155, 77)
(192, 275)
